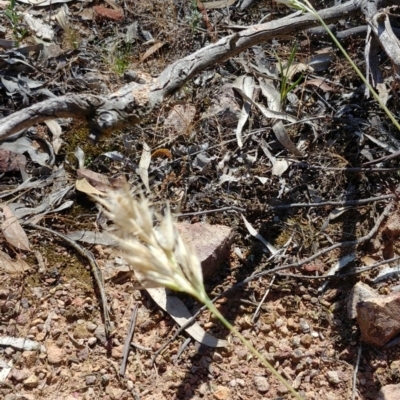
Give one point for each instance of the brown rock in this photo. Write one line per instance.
(19, 375)
(117, 351)
(22, 319)
(114, 393)
(210, 242)
(392, 227)
(360, 292)
(29, 358)
(379, 318)
(31, 382)
(81, 332)
(222, 393)
(107, 14)
(389, 392)
(55, 355)
(180, 119)
(306, 340)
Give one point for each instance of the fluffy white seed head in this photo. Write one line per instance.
(158, 253)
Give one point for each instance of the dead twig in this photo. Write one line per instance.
(228, 208)
(263, 299)
(354, 385)
(347, 274)
(382, 159)
(335, 203)
(128, 340)
(350, 169)
(96, 273)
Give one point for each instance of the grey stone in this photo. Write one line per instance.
(90, 380)
(304, 326)
(359, 292)
(261, 383)
(297, 355)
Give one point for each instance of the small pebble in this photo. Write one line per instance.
(222, 393)
(9, 351)
(91, 327)
(282, 389)
(31, 382)
(92, 341)
(306, 340)
(297, 355)
(20, 375)
(105, 379)
(241, 382)
(90, 380)
(333, 377)
(279, 322)
(261, 383)
(304, 326)
(315, 334)
(296, 341)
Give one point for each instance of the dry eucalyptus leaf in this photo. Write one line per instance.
(101, 182)
(85, 187)
(181, 315)
(218, 4)
(247, 85)
(279, 167)
(144, 165)
(13, 232)
(284, 139)
(7, 264)
(151, 51)
(56, 131)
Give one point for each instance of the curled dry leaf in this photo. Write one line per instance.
(13, 232)
(151, 51)
(7, 264)
(144, 165)
(98, 181)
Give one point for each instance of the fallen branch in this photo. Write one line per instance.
(133, 102)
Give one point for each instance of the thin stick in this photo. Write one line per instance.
(335, 203)
(128, 340)
(228, 208)
(263, 299)
(345, 169)
(385, 158)
(96, 273)
(353, 395)
(347, 274)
